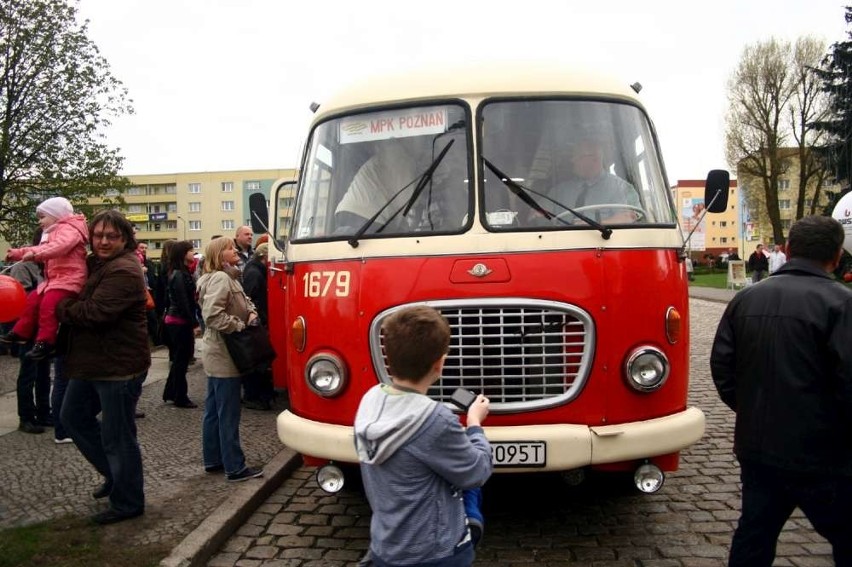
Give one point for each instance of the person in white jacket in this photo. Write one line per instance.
(777, 258)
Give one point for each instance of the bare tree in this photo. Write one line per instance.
(759, 91)
(808, 106)
(57, 96)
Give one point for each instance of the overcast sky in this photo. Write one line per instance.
(226, 84)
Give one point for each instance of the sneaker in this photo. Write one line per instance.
(30, 427)
(13, 338)
(259, 405)
(63, 440)
(40, 351)
(213, 468)
(245, 474)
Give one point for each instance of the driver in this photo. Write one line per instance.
(388, 170)
(591, 184)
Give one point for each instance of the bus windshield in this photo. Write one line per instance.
(389, 173)
(550, 163)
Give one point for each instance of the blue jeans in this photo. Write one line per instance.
(463, 557)
(109, 444)
(769, 497)
(60, 384)
(33, 377)
(220, 430)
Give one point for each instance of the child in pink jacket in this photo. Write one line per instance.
(63, 252)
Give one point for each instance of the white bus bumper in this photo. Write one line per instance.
(568, 446)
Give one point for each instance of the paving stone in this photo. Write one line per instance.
(537, 521)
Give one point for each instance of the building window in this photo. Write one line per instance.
(783, 204)
(783, 184)
(171, 189)
(723, 224)
(228, 225)
(196, 244)
(136, 209)
(195, 206)
(111, 193)
(195, 188)
(252, 185)
(227, 187)
(135, 191)
(227, 205)
(172, 207)
(195, 225)
(723, 239)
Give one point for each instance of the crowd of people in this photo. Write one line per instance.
(95, 307)
(418, 463)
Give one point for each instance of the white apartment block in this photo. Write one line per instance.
(196, 206)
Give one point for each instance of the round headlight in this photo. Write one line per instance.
(325, 375)
(647, 369)
(648, 478)
(330, 478)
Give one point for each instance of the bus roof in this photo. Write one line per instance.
(489, 79)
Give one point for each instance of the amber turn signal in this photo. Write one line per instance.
(299, 334)
(673, 325)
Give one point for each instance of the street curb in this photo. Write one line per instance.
(205, 540)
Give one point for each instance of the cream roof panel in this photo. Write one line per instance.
(506, 79)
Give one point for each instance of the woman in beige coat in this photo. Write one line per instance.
(225, 309)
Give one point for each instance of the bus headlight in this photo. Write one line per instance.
(326, 375)
(647, 369)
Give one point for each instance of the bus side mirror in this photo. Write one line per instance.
(258, 213)
(716, 191)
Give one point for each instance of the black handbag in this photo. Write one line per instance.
(250, 349)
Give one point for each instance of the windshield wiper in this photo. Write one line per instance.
(422, 181)
(523, 193)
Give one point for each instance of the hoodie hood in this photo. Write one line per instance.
(386, 419)
(75, 221)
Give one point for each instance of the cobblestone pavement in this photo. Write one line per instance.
(538, 520)
(40, 480)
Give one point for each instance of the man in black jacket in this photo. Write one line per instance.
(782, 360)
(758, 264)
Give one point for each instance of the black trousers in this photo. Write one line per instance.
(33, 378)
(181, 348)
(771, 494)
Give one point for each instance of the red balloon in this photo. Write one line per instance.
(847, 277)
(12, 299)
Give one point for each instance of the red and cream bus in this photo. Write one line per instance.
(530, 206)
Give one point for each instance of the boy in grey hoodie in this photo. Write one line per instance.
(416, 459)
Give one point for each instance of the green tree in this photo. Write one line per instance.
(57, 97)
(836, 76)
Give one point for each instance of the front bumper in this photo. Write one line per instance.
(568, 446)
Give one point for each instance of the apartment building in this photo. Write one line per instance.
(755, 220)
(197, 206)
(713, 234)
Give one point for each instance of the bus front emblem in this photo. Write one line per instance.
(479, 271)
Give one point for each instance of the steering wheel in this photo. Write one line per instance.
(567, 215)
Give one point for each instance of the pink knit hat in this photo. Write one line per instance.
(57, 207)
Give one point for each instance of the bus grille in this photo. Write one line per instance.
(522, 354)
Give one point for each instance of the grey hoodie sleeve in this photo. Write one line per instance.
(461, 457)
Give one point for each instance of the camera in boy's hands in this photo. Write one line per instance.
(463, 398)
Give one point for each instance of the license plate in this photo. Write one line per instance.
(518, 453)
